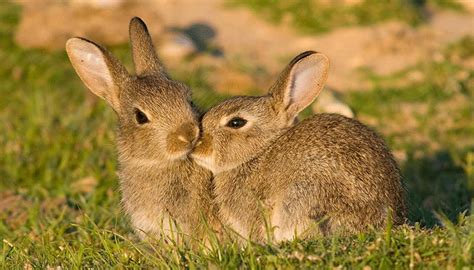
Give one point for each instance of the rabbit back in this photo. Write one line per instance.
(334, 170)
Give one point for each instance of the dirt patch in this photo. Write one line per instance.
(241, 35)
(49, 23)
(383, 48)
(15, 208)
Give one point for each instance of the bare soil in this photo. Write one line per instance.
(244, 38)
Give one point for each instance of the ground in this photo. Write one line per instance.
(59, 199)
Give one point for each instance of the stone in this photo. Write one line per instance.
(175, 46)
(328, 102)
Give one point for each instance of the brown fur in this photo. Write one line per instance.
(161, 187)
(324, 175)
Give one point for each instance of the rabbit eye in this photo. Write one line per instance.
(236, 122)
(141, 117)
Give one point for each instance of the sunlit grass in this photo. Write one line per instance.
(53, 135)
(316, 16)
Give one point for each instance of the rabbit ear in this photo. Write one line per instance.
(300, 83)
(98, 69)
(143, 53)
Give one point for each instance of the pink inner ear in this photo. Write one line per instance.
(303, 85)
(308, 77)
(91, 67)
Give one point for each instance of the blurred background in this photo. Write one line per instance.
(403, 67)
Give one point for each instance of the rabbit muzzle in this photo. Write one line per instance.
(182, 140)
(203, 152)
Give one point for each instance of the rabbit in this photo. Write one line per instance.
(162, 189)
(326, 175)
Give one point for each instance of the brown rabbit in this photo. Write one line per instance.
(161, 187)
(324, 175)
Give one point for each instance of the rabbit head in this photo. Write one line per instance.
(238, 129)
(156, 120)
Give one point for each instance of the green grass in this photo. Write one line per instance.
(316, 16)
(432, 124)
(52, 135)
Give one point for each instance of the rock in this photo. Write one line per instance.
(328, 102)
(175, 46)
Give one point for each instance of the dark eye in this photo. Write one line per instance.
(236, 122)
(141, 117)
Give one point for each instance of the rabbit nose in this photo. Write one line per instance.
(188, 133)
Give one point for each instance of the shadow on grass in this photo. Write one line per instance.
(436, 184)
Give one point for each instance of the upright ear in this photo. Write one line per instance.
(300, 83)
(143, 53)
(98, 69)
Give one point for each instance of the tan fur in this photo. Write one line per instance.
(161, 187)
(324, 175)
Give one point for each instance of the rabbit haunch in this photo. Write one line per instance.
(324, 175)
(157, 128)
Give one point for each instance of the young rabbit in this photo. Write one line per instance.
(157, 128)
(324, 175)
